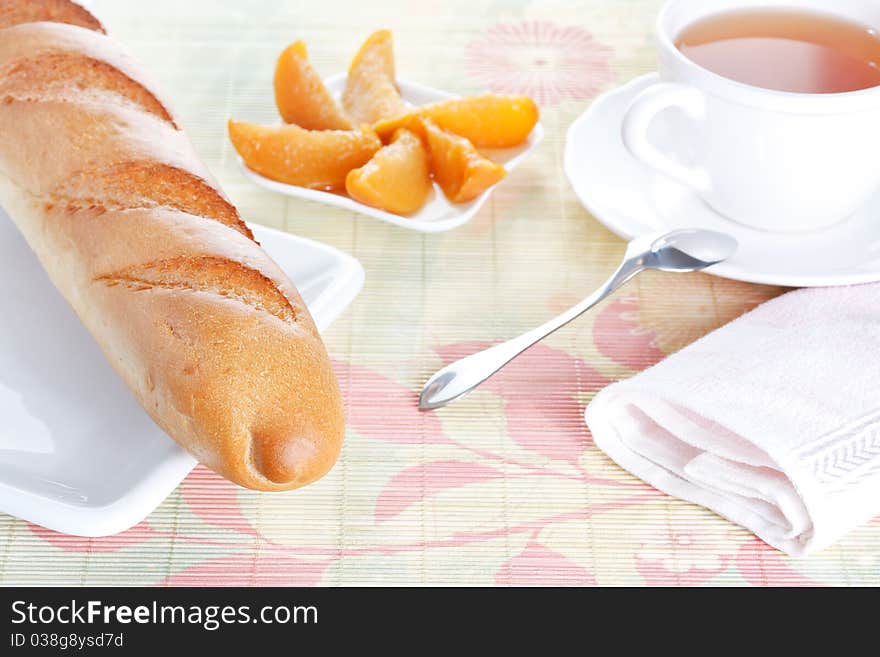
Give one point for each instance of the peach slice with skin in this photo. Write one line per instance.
(300, 93)
(462, 173)
(397, 179)
(371, 93)
(317, 159)
(488, 121)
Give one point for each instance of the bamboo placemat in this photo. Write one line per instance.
(505, 487)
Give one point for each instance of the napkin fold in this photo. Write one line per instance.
(772, 421)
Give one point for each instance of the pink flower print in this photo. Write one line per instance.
(385, 410)
(619, 335)
(541, 59)
(137, 535)
(214, 500)
(684, 557)
(420, 481)
(266, 568)
(537, 565)
(762, 565)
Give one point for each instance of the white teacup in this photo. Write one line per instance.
(770, 159)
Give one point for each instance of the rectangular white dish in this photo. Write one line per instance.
(77, 453)
(438, 214)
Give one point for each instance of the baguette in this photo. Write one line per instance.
(204, 328)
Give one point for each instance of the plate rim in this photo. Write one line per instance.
(621, 227)
(469, 210)
(144, 496)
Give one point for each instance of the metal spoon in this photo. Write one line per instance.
(679, 251)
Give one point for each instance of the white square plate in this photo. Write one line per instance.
(437, 214)
(77, 453)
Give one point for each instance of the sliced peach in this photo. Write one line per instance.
(397, 179)
(371, 93)
(318, 159)
(487, 121)
(301, 95)
(459, 169)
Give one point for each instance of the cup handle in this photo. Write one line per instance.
(642, 112)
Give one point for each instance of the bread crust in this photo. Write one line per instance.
(204, 328)
(16, 12)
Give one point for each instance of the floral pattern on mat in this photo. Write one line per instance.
(541, 59)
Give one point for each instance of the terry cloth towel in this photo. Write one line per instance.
(772, 421)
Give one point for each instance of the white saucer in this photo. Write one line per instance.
(437, 214)
(630, 200)
(77, 453)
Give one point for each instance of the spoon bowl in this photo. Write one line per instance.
(691, 249)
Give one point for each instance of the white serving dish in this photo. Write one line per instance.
(438, 214)
(77, 453)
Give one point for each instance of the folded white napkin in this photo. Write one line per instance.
(772, 421)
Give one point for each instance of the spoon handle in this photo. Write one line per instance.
(464, 375)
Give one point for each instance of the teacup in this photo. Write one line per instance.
(772, 160)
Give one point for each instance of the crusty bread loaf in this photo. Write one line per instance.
(205, 329)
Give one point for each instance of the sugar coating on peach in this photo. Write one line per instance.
(460, 170)
(371, 92)
(317, 159)
(488, 121)
(397, 179)
(300, 93)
